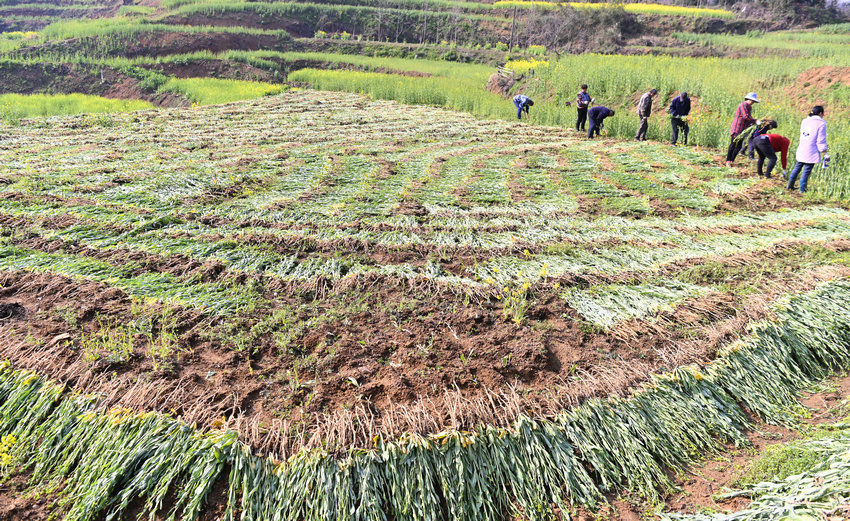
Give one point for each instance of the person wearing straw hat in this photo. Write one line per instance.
(811, 148)
(743, 120)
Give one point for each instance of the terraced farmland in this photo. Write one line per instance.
(420, 309)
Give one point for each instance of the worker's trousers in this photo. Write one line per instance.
(804, 170)
(677, 123)
(642, 128)
(518, 109)
(734, 149)
(581, 118)
(765, 151)
(595, 128)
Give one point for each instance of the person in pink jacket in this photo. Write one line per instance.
(810, 149)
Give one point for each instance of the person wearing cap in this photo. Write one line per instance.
(679, 109)
(811, 148)
(583, 101)
(767, 145)
(597, 115)
(644, 110)
(522, 102)
(743, 120)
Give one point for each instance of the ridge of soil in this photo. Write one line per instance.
(412, 359)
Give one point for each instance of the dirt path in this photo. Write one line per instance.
(720, 473)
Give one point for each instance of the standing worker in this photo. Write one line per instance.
(522, 102)
(743, 120)
(583, 101)
(597, 115)
(644, 110)
(679, 110)
(812, 148)
(767, 145)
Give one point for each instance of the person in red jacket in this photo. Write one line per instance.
(767, 145)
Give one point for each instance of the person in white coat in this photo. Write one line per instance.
(811, 148)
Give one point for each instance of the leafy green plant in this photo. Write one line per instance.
(113, 343)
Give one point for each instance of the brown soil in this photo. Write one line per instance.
(248, 19)
(807, 90)
(16, 506)
(161, 44)
(214, 69)
(406, 357)
(68, 78)
(720, 473)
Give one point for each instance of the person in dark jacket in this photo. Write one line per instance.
(644, 110)
(763, 126)
(679, 110)
(597, 115)
(583, 101)
(522, 102)
(743, 120)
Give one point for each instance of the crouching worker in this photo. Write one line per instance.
(522, 103)
(679, 110)
(767, 145)
(596, 116)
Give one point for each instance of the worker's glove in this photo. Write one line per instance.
(784, 174)
(758, 122)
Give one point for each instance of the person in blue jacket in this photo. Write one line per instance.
(596, 116)
(522, 102)
(679, 110)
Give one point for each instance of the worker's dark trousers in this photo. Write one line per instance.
(644, 126)
(595, 127)
(582, 118)
(518, 110)
(734, 149)
(765, 150)
(676, 123)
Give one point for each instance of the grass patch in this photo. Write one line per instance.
(17, 106)
(212, 91)
(780, 461)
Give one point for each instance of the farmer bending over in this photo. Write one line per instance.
(644, 110)
(679, 110)
(522, 102)
(811, 149)
(767, 145)
(597, 115)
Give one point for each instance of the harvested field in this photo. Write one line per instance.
(319, 274)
